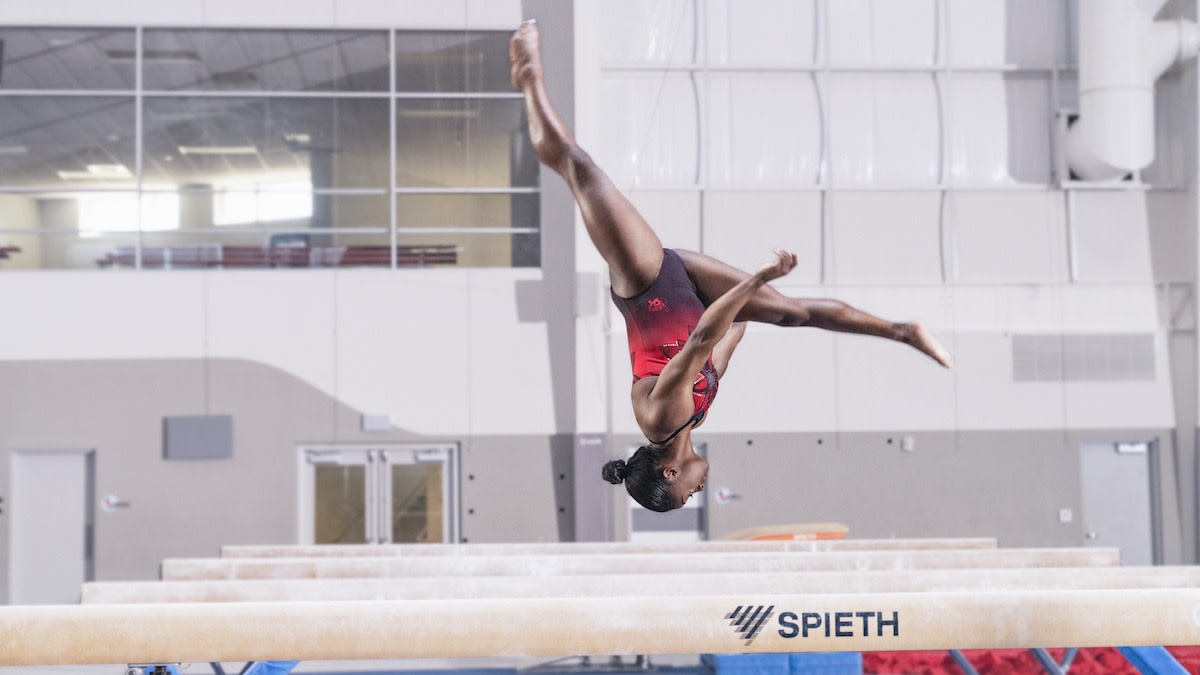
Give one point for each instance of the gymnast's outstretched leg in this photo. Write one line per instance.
(630, 247)
(713, 277)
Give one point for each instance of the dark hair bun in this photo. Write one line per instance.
(615, 471)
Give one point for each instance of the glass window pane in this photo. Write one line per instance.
(67, 142)
(418, 505)
(272, 209)
(64, 249)
(452, 61)
(67, 58)
(245, 249)
(338, 515)
(463, 143)
(265, 60)
(431, 219)
(225, 142)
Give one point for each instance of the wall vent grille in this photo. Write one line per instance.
(1083, 358)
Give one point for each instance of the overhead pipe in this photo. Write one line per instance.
(1122, 51)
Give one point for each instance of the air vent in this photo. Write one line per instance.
(235, 77)
(153, 56)
(1083, 358)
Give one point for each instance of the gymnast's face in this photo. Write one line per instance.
(690, 480)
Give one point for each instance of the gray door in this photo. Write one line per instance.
(51, 521)
(1117, 506)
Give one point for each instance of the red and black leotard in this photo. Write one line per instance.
(659, 321)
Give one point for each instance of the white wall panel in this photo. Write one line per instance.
(886, 238)
(101, 315)
(1112, 238)
(741, 228)
(1008, 237)
(762, 32)
(1109, 309)
(283, 320)
(884, 385)
(999, 129)
(282, 13)
(648, 32)
(884, 130)
(1006, 32)
(780, 379)
(509, 381)
(474, 14)
(988, 398)
(403, 346)
(487, 14)
(1124, 405)
(882, 33)
(976, 31)
(764, 130)
(648, 136)
(1017, 309)
(83, 12)
(674, 215)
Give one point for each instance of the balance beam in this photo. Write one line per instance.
(595, 548)
(184, 569)
(312, 590)
(121, 634)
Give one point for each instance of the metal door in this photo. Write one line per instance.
(1117, 498)
(52, 513)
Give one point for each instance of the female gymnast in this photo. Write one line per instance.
(684, 311)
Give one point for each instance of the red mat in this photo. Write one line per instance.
(1097, 661)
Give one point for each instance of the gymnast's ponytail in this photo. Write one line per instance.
(643, 478)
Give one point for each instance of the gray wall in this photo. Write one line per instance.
(1004, 484)
(514, 488)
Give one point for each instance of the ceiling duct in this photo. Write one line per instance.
(1122, 51)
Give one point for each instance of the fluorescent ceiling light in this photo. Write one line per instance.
(13, 149)
(297, 138)
(425, 114)
(218, 150)
(97, 172)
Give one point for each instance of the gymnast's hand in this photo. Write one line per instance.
(783, 263)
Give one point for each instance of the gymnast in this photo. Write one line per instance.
(685, 312)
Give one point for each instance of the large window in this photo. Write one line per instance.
(194, 148)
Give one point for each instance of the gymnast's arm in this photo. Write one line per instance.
(675, 381)
(724, 349)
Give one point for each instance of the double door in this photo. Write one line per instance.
(379, 494)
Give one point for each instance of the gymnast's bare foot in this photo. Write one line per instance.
(524, 52)
(917, 335)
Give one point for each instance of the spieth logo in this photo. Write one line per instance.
(748, 620)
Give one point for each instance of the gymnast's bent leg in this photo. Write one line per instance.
(627, 243)
(713, 277)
